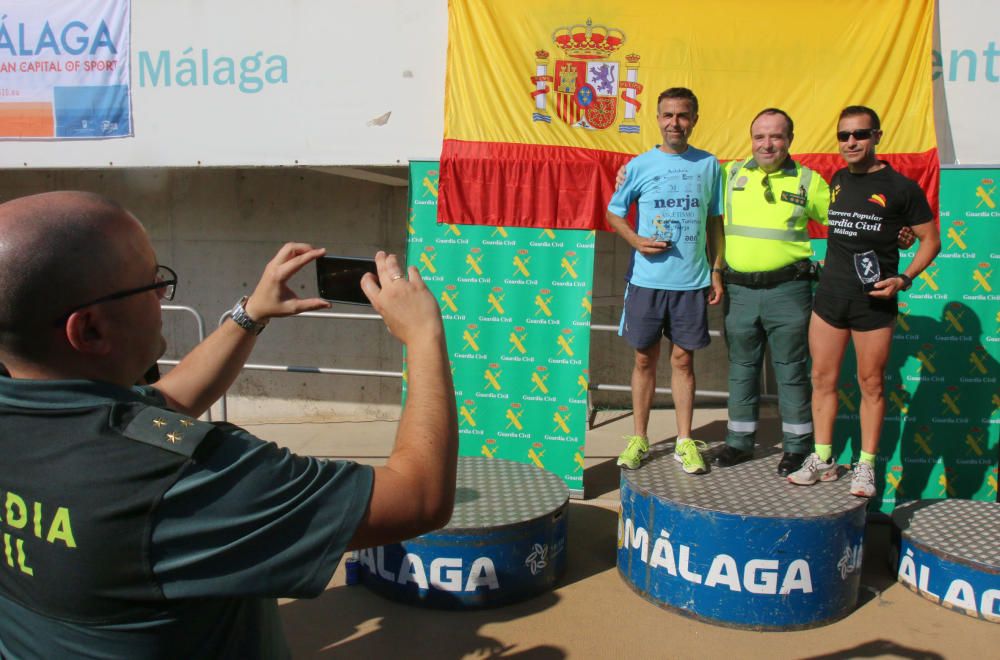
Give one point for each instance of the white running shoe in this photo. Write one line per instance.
(814, 469)
(863, 481)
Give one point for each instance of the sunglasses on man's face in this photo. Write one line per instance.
(857, 134)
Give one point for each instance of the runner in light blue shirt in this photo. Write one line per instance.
(678, 190)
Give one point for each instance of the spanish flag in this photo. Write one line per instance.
(545, 100)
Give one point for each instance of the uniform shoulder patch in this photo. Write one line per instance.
(166, 429)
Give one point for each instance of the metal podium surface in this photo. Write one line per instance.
(506, 541)
(948, 551)
(740, 546)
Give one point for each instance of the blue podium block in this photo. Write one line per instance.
(948, 551)
(740, 546)
(506, 542)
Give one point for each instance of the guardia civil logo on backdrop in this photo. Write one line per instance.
(516, 305)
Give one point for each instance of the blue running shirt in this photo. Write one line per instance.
(675, 194)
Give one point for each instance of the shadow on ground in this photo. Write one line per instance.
(878, 648)
(353, 622)
(876, 573)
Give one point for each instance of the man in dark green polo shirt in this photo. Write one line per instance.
(131, 529)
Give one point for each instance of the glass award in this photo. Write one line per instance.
(665, 231)
(868, 270)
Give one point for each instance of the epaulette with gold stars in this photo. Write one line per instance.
(166, 429)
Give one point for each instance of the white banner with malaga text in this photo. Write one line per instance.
(64, 69)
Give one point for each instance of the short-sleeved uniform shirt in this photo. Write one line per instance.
(243, 523)
(675, 194)
(866, 213)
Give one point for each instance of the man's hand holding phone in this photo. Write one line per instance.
(407, 306)
(272, 297)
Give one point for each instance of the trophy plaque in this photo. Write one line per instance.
(868, 270)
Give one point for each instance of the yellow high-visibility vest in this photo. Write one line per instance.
(767, 214)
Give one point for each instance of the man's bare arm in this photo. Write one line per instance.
(206, 372)
(414, 492)
(930, 245)
(640, 243)
(716, 256)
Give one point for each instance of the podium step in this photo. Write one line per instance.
(506, 542)
(948, 551)
(740, 546)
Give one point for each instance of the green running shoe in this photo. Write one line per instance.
(637, 449)
(688, 454)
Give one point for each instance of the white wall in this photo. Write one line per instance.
(967, 81)
(348, 64)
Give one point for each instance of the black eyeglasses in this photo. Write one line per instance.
(166, 279)
(857, 134)
(768, 193)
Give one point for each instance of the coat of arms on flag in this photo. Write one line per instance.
(587, 83)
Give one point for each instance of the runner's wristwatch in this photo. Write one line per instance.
(239, 316)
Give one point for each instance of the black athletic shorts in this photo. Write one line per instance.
(850, 314)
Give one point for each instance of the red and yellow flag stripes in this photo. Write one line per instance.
(544, 100)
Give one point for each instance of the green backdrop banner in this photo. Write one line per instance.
(516, 304)
(940, 437)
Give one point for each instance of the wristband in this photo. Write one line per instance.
(907, 281)
(240, 317)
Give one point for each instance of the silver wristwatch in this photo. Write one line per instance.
(239, 316)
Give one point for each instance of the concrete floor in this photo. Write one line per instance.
(592, 613)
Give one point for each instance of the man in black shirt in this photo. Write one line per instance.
(856, 297)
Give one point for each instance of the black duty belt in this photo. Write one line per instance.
(800, 270)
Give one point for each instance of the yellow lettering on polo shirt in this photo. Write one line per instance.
(22, 560)
(38, 520)
(10, 549)
(61, 528)
(17, 511)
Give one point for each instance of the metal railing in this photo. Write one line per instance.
(288, 368)
(603, 387)
(223, 409)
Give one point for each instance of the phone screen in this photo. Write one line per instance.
(339, 279)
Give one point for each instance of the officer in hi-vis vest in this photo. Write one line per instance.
(129, 527)
(769, 199)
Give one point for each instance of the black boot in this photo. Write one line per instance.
(790, 463)
(730, 456)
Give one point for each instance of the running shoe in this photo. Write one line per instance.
(863, 481)
(687, 452)
(814, 469)
(637, 449)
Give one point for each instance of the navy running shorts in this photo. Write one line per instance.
(680, 316)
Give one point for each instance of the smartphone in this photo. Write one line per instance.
(339, 279)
